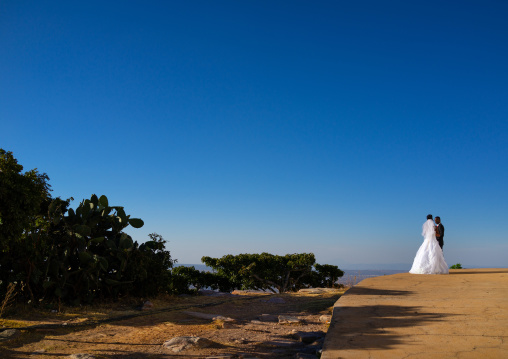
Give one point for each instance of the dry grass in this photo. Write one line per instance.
(9, 297)
(120, 328)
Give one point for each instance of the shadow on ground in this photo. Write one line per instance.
(368, 327)
(120, 355)
(374, 291)
(465, 271)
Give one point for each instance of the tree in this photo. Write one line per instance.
(24, 197)
(150, 266)
(183, 278)
(325, 276)
(275, 273)
(264, 271)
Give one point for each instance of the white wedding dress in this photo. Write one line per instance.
(429, 258)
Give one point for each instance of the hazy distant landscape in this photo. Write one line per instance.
(350, 277)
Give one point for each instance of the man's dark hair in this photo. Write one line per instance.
(429, 216)
(438, 217)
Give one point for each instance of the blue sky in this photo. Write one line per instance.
(331, 127)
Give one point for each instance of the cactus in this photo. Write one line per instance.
(96, 253)
(103, 201)
(136, 222)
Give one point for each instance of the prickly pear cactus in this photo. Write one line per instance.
(91, 253)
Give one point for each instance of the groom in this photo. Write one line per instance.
(439, 231)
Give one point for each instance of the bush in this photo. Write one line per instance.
(71, 255)
(266, 271)
(149, 267)
(76, 256)
(456, 266)
(183, 278)
(325, 276)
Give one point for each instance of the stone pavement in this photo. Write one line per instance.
(460, 315)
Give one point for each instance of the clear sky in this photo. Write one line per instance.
(331, 127)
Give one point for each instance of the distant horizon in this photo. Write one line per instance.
(374, 267)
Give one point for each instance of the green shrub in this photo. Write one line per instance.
(183, 278)
(23, 199)
(325, 276)
(456, 266)
(77, 256)
(71, 255)
(149, 267)
(266, 271)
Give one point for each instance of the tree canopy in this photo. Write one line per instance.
(23, 199)
(276, 273)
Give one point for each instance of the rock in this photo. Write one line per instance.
(212, 293)
(257, 322)
(208, 316)
(308, 337)
(147, 305)
(177, 344)
(9, 334)
(268, 318)
(287, 319)
(240, 341)
(222, 356)
(283, 343)
(81, 356)
(275, 300)
(325, 318)
(226, 325)
(225, 319)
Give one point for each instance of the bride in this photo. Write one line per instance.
(429, 258)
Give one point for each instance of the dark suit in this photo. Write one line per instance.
(440, 234)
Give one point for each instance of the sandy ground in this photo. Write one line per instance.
(462, 315)
(119, 330)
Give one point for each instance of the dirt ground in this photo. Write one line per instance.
(122, 330)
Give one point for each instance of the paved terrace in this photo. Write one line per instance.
(460, 315)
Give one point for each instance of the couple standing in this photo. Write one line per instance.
(429, 258)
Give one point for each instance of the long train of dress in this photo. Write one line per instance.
(429, 259)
